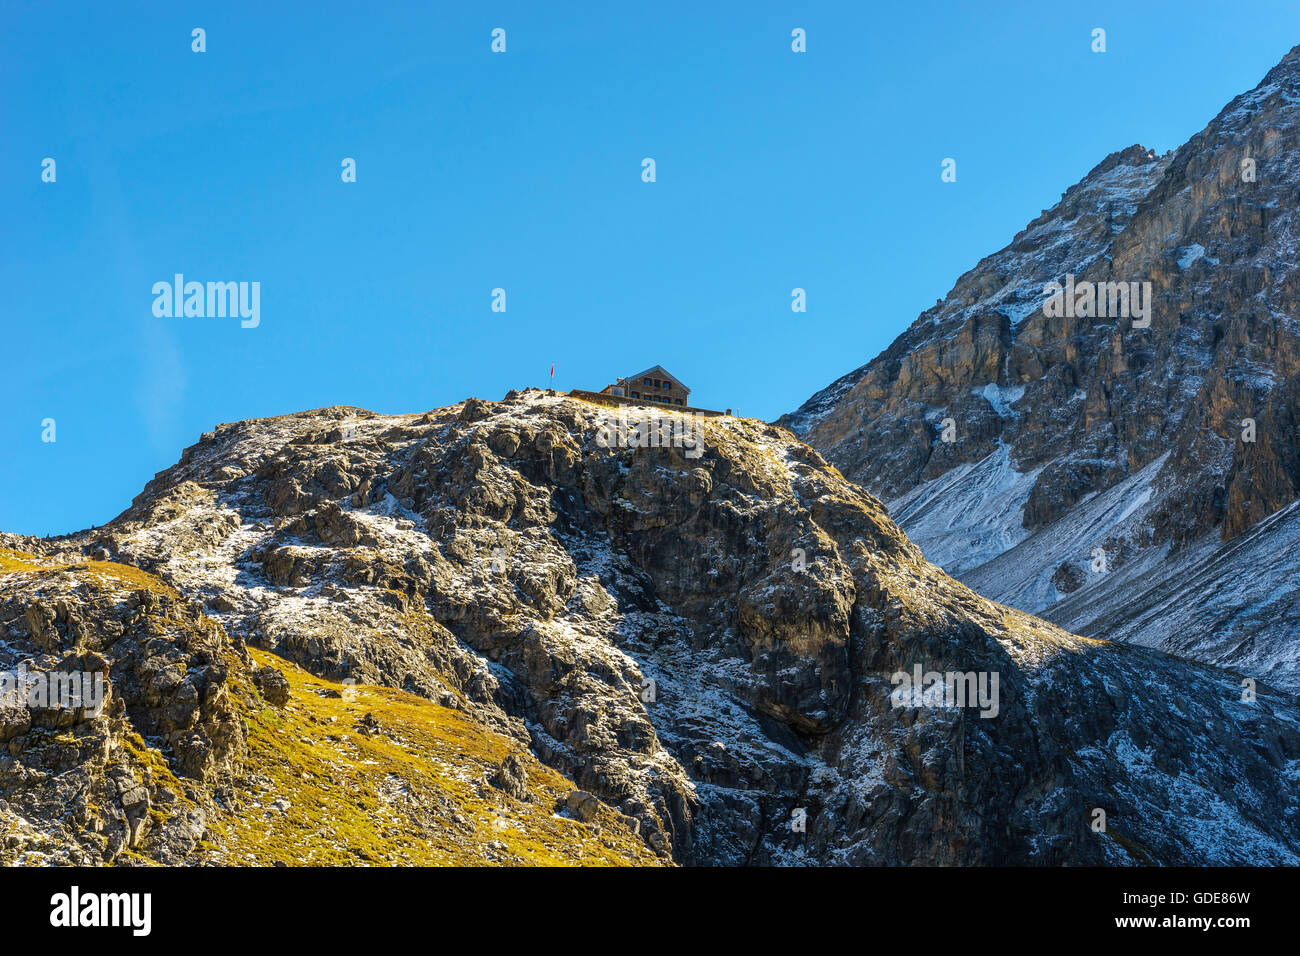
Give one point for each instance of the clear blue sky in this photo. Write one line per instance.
(523, 171)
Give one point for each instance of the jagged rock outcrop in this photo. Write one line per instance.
(1035, 455)
(703, 644)
(201, 752)
(79, 784)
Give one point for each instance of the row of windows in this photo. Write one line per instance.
(658, 398)
(665, 385)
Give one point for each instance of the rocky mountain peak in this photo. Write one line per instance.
(1036, 452)
(701, 634)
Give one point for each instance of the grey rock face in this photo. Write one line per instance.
(1082, 444)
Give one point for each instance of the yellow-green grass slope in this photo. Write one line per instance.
(360, 774)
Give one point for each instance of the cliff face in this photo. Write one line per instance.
(1079, 444)
(701, 638)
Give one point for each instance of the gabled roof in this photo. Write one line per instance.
(658, 371)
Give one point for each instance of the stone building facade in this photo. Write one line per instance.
(655, 384)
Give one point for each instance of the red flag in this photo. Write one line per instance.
(552, 370)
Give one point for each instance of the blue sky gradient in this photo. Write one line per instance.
(523, 171)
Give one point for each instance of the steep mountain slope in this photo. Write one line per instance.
(205, 752)
(704, 638)
(1036, 455)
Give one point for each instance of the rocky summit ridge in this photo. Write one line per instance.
(1128, 481)
(485, 634)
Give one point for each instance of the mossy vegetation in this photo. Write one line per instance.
(329, 785)
(107, 573)
(11, 561)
